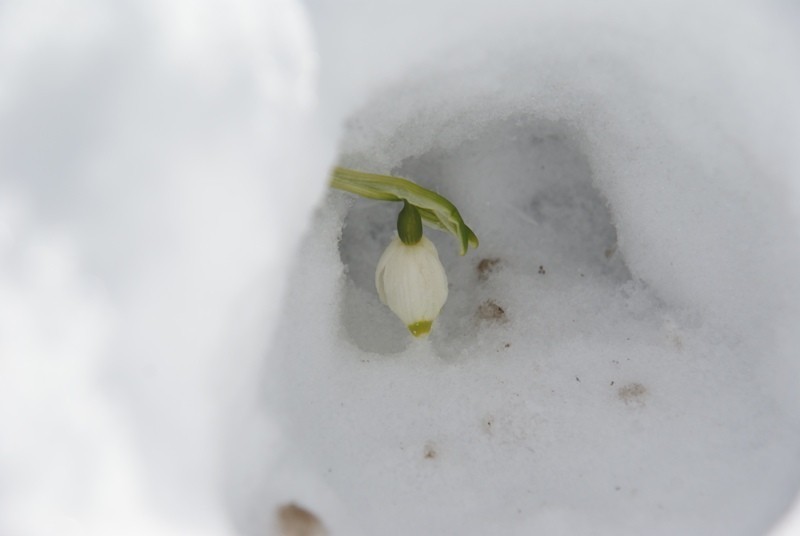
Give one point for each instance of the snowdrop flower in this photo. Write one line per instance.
(410, 278)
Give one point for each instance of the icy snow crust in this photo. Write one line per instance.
(609, 360)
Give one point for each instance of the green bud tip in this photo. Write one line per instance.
(409, 224)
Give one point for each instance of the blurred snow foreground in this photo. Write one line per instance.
(189, 340)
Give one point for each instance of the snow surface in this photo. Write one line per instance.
(619, 356)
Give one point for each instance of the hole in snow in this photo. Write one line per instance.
(525, 187)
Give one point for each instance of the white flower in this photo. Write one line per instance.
(411, 280)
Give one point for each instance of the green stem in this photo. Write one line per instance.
(409, 224)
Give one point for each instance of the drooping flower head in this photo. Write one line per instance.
(410, 278)
(412, 282)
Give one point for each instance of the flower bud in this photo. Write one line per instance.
(412, 282)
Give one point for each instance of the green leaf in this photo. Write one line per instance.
(436, 211)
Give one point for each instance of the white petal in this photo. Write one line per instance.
(412, 282)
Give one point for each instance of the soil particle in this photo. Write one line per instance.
(294, 520)
(490, 310)
(632, 393)
(486, 267)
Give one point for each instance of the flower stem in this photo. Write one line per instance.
(409, 224)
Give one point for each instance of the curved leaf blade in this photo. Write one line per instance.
(436, 211)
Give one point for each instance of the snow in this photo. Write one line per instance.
(190, 338)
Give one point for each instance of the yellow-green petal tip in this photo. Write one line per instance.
(420, 329)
